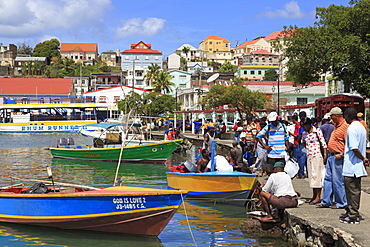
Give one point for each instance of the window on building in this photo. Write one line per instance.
(156, 58)
(210, 43)
(146, 58)
(245, 72)
(116, 99)
(226, 45)
(139, 73)
(137, 57)
(301, 101)
(126, 57)
(182, 76)
(259, 72)
(252, 72)
(80, 57)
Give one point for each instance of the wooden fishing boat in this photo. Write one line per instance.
(156, 152)
(114, 133)
(232, 187)
(120, 209)
(223, 186)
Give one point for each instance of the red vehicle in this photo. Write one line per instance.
(343, 101)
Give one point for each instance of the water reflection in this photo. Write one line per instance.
(21, 235)
(211, 224)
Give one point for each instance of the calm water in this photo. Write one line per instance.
(26, 156)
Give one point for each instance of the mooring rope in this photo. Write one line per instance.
(187, 220)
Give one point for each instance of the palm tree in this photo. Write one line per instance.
(186, 50)
(151, 74)
(163, 82)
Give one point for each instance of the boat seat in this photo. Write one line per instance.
(78, 146)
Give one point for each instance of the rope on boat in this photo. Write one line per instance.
(63, 184)
(187, 220)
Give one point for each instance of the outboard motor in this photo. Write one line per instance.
(62, 142)
(70, 141)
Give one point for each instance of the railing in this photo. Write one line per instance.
(48, 100)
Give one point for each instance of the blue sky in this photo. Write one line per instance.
(166, 24)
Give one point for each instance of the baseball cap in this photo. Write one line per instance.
(272, 116)
(327, 116)
(360, 114)
(279, 164)
(336, 111)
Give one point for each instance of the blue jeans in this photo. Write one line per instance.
(301, 158)
(237, 136)
(334, 183)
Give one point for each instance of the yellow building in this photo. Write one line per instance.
(214, 44)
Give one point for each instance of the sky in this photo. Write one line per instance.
(165, 24)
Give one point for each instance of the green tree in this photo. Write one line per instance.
(151, 104)
(271, 75)
(338, 42)
(49, 49)
(132, 101)
(227, 67)
(24, 48)
(243, 99)
(163, 82)
(186, 50)
(151, 74)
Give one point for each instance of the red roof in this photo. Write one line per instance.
(86, 47)
(282, 83)
(35, 86)
(214, 37)
(260, 51)
(141, 48)
(275, 35)
(141, 51)
(251, 42)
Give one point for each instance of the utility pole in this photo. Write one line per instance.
(133, 73)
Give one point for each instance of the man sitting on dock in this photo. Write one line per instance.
(278, 192)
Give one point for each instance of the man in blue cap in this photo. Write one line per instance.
(277, 192)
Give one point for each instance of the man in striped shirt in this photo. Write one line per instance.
(277, 141)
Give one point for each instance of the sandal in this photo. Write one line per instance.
(320, 205)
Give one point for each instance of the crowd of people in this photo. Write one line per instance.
(330, 151)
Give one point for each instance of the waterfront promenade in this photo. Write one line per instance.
(324, 220)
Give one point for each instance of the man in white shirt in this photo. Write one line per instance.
(278, 192)
(221, 164)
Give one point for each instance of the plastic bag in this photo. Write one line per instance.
(291, 167)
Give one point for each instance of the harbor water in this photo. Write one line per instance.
(195, 223)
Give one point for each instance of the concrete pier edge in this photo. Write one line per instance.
(308, 225)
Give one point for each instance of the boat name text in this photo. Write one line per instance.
(130, 202)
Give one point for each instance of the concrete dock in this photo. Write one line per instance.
(321, 221)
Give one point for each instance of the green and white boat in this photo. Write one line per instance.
(156, 152)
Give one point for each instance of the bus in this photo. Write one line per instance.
(343, 101)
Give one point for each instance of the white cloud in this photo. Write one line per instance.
(23, 18)
(291, 11)
(140, 27)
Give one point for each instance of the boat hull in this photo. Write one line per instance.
(115, 210)
(44, 127)
(156, 152)
(232, 187)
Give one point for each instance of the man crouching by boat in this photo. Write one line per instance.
(277, 192)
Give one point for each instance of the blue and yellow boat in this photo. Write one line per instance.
(119, 209)
(223, 186)
(232, 187)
